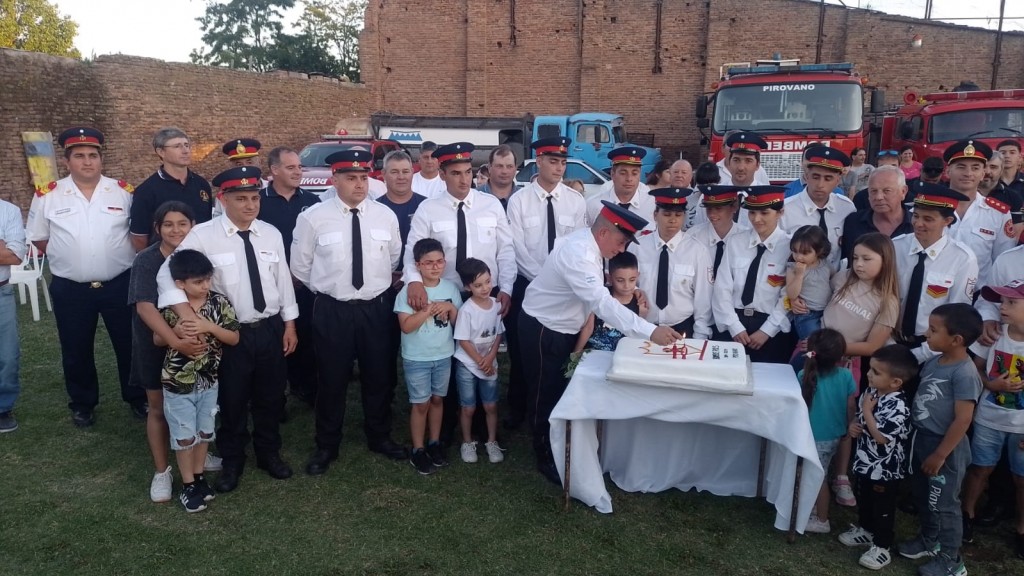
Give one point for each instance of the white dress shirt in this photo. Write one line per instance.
(88, 239)
(12, 232)
(725, 177)
(950, 274)
(218, 239)
(800, 210)
(641, 204)
(429, 188)
(768, 289)
(689, 284)
(322, 249)
(488, 236)
(570, 286)
(987, 229)
(527, 216)
(1009, 266)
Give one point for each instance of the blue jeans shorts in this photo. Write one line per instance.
(987, 445)
(807, 324)
(426, 378)
(191, 416)
(826, 450)
(470, 385)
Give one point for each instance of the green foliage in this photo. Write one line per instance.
(333, 26)
(37, 26)
(241, 33)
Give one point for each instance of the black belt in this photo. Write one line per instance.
(254, 324)
(379, 299)
(750, 313)
(98, 283)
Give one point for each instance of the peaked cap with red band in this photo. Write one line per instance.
(557, 146)
(80, 136)
(239, 178)
(757, 197)
(628, 155)
(967, 150)
(826, 157)
(452, 153)
(1015, 289)
(351, 160)
(745, 143)
(936, 196)
(627, 222)
(241, 148)
(715, 195)
(671, 198)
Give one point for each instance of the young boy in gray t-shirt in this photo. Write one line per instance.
(941, 413)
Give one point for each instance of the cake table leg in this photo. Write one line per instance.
(568, 462)
(760, 468)
(791, 537)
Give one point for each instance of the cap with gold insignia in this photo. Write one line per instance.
(936, 196)
(80, 136)
(240, 148)
(454, 153)
(826, 157)
(556, 146)
(967, 150)
(715, 195)
(351, 160)
(670, 198)
(758, 197)
(745, 143)
(239, 178)
(628, 155)
(627, 222)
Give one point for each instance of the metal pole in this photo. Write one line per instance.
(999, 45)
(821, 33)
(928, 10)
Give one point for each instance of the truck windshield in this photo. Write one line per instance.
(835, 106)
(316, 156)
(977, 123)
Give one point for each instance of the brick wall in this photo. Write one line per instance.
(456, 58)
(129, 98)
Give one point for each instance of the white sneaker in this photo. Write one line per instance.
(816, 526)
(844, 492)
(494, 452)
(875, 558)
(856, 536)
(213, 463)
(160, 487)
(469, 452)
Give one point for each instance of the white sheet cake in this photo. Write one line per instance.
(692, 364)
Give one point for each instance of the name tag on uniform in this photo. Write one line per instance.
(63, 211)
(269, 256)
(114, 210)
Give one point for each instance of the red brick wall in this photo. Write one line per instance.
(129, 98)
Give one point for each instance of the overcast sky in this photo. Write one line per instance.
(167, 29)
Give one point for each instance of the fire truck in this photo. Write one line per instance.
(789, 105)
(931, 122)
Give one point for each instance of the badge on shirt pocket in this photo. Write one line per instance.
(776, 280)
(938, 285)
(487, 228)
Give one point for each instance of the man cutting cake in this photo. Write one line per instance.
(569, 286)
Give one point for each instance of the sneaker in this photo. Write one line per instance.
(942, 565)
(917, 548)
(213, 463)
(160, 487)
(203, 488)
(494, 452)
(468, 452)
(875, 558)
(437, 455)
(7, 422)
(816, 526)
(968, 532)
(857, 536)
(421, 462)
(844, 492)
(191, 499)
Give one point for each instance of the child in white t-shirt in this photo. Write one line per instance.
(477, 335)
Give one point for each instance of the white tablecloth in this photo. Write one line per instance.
(658, 438)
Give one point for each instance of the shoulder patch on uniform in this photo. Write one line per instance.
(127, 187)
(44, 190)
(998, 205)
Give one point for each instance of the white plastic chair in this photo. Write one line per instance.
(28, 277)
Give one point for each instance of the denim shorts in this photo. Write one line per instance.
(426, 378)
(826, 450)
(470, 385)
(188, 413)
(807, 324)
(987, 445)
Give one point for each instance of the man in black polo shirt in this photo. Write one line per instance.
(887, 186)
(280, 204)
(172, 181)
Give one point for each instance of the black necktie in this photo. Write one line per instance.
(821, 220)
(258, 301)
(719, 252)
(662, 295)
(625, 205)
(748, 287)
(551, 224)
(913, 297)
(357, 251)
(460, 236)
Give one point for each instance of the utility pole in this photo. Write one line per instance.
(928, 10)
(821, 33)
(999, 45)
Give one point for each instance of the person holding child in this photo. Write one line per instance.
(624, 273)
(818, 204)
(190, 382)
(808, 280)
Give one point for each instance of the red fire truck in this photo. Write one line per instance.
(930, 123)
(787, 104)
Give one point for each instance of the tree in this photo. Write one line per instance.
(241, 33)
(334, 25)
(37, 26)
(303, 53)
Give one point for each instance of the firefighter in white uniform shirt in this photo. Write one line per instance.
(625, 191)
(675, 270)
(719, 204)
(934, 268)
(817, 204)
(568, 288)
(539, 214)
(984, 224)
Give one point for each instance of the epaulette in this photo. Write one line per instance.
(127, 187)
(998, 205)
(44, 190)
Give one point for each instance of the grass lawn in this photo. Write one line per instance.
(77, 502)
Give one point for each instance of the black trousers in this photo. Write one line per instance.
(345, 332)
(544, 354)
(876, 508)
(778, 348)
(517, 388)
(252, 381)
(77, 307)
(302, 362)
(685, 327)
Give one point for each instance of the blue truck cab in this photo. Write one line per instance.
(593, 135)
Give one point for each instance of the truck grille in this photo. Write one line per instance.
(782, 165)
